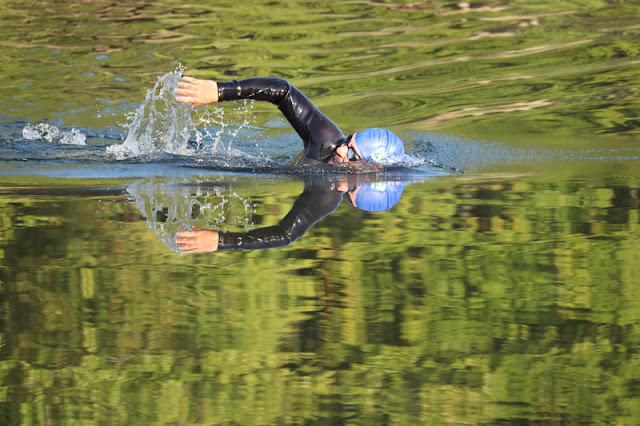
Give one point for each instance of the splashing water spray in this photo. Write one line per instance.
(52, 134)
(163, 125)
(170, 205)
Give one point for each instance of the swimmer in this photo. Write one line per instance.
(321, 197)
(323, 141)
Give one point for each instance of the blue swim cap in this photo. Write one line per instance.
(377, 196)
(380, 145)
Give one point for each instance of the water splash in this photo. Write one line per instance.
(51, 133)
(160, 124)
(170, 206)
(215, 130)
(163, 125)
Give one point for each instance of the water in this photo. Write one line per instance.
(500, 288)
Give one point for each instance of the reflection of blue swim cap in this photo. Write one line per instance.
(377, 196)
(380, 145)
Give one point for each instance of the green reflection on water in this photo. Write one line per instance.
(541, 72)
(473, 300)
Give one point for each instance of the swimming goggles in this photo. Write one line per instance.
(352, 154)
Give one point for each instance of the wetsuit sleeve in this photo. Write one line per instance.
(317, 131)
(309, 208)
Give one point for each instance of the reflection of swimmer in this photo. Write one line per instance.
(323, 140)
(319, 199)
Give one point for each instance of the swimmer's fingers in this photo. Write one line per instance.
(187, 95)
(186, 86)
(184, 236)
(186, 92)
(188, 98)
(190, 80)
(187, 241)
(198, 240)
(187, 248)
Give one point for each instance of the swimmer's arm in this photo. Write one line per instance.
(200, 240)
(308, 209)
(197, 92)
(203, 92)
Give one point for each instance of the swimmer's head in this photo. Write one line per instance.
(379, 145)
(376, 196)
(372, 196)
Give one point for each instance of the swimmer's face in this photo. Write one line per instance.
(347, 152)
(350, 189)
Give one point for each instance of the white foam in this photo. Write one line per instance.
(51, 133)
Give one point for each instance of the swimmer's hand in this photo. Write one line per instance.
(198, 240)
(197, 92)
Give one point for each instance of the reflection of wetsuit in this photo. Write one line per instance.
(320, 135)
(318, 200)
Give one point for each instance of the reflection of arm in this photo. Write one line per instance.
(263, 238)
(309, 208)
(316, 130)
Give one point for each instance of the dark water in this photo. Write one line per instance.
(500, 288)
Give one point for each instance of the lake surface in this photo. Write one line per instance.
(500, 287)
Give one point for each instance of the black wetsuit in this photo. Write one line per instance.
(320, 135)
(318, 200)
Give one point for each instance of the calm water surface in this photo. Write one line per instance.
(507, 294)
